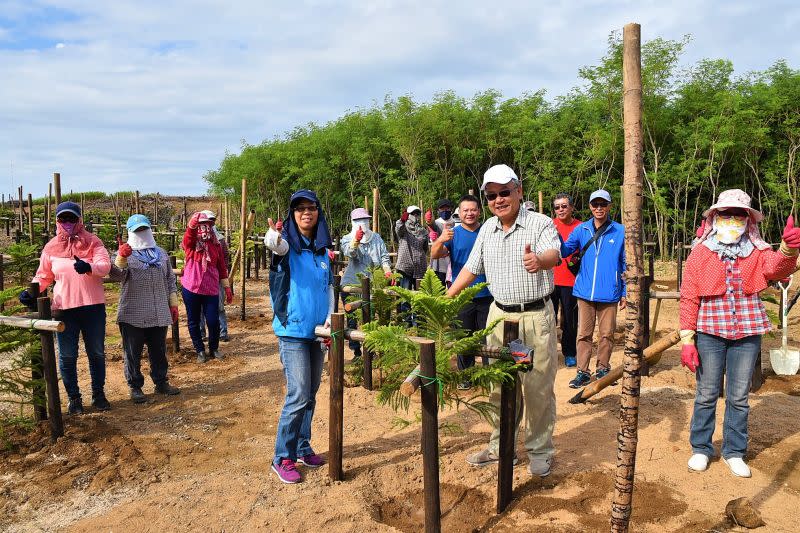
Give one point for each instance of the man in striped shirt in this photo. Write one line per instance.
(516, 250)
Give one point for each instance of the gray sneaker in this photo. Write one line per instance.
(216, 354)
(137, 396)
(485, 458)
(540, 466)
(202, 357)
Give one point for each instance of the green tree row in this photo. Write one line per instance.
(705, 130)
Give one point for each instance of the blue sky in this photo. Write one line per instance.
(149, 95)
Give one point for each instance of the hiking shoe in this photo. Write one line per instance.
(216, 354)
(570, 361)
(737, 466)
(540, 466)
(465, 385)
(137, 396)
(485, 458)
(166, 388)
(100, 402)
(287, 472)
(313, 460)
(601, 372)
(224, 338)
(581, 380)
(698, 462)
(75, 406)
(202, 357)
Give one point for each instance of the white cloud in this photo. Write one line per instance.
(150, 95)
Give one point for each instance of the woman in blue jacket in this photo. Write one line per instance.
(301, 291)
(599, 285)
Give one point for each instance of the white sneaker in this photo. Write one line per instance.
(738, 467)
(698, 462)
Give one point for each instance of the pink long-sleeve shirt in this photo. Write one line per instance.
(72, 289)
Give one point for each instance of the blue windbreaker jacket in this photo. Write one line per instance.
(600, 277)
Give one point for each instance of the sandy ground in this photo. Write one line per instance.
(200, 461)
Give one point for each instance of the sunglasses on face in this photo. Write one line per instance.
(492, 196)
(728, 213)
(306, 209)
(559, 207)
(67, 217)
(599, 204)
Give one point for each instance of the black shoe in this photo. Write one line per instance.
(137, 396)
(100, 402)
(216, 354)
(225, 338)
(166, 388)
(75, 406)
(202, 357)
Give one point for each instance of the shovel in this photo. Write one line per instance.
(785, 362)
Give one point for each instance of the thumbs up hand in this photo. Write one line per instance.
(791, 234)
(531, 261)
(81, 266)
(277, 227)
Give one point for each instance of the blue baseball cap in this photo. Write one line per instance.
(69, 207)
(602, 194)
(137, 221)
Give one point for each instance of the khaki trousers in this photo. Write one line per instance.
(536, 329)
(606, 316)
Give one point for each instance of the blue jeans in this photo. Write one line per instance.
(89, 321)
(223, 319)
(302, 365)
(208, 305)
(737, 360)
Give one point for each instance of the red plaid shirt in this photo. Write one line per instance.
(733, 315)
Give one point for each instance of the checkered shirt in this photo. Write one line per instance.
(498, 254)
(733, 315)
(144, 296)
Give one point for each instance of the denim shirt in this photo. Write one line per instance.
(365, 255)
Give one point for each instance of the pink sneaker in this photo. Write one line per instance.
(312, 461)
(287, 472)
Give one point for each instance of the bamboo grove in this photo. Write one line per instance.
(705, 130)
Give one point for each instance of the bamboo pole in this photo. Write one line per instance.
(57, 187)
(83, 209)
(541, 202)
(430, 437)
(336, 413)
(49, 211)
(136, 204)
(366, 312)
(21, 213)
(37, 375)
(508, 405)
(30, 216)
(366, 202)
(228, 219)
(243, 242)
(375, 213)
(628, 436)
(32, 323)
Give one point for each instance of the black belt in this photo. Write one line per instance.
(521, 308)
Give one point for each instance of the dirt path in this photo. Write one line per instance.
(200, 461)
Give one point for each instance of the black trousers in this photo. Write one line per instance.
(133, 342)
(563, 298)
(473, 318)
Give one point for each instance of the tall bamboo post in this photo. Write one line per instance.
(243, 241)
(21, 212)
(430, 437)
(366, 202)
(57, 186)
(375, 215)
(336, 412)
(541, 202)
(628, 435)
(136, 206)
(30, 216)
(228, 219)
(508, 406)
(83, 209)
(49, 210)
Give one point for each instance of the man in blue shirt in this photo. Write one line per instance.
(457, 244)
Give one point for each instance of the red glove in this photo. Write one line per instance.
(228, 295)
(173, 311)
(702, 229)
(689, 357)
(428, 216)
(193, 221)
(392, 281)
(327, 342)
(404, 216)
(432, 235)
(359, 234)
(331, 255)
(125, 250)
(279, 226)
(791, 234)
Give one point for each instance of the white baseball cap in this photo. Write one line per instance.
(500, 174)
(602, 194)
(410, 209)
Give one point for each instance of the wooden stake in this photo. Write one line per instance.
(37, 375)
(508, 407)
(375, 214)
(430, 435)
(366, 202)
(21, 213)
(628, 436)
(336, 402)
(136, 204)
(243, 242)
(366, 312)
(83, 209)
(176, 331)
(57, 187)
(50, 374)
(541, 202)
(155, 209)
(49, 211)
(30, 216)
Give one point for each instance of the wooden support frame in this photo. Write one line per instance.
(366, 316)
(336, 413)
(50, 374)
(508, 407)
(430, 436)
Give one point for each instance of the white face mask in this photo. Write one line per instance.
(729, 230)
(361, 223)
